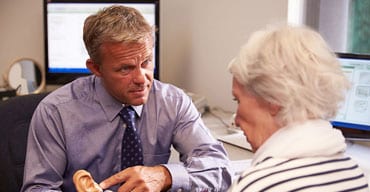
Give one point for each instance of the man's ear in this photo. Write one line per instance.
(93, 67)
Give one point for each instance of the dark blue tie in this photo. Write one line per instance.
(132, 152)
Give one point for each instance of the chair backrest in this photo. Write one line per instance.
(15, 117)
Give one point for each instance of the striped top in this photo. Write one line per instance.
(304, 174)
(303, 158)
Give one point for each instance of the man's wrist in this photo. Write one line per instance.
(167, 178)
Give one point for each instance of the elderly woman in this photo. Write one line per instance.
(288, 84)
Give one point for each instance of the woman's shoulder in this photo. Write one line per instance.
(278, 174)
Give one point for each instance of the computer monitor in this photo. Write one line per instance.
(353, 118)
(65, 53)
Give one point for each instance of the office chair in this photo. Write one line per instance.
(15, 117)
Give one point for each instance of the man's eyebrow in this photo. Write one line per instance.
(149, 54)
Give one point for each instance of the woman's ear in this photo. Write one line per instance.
(93, 67)
(274, 109)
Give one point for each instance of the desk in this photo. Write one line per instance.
(215, 121)
(360, 152)
(218, 122)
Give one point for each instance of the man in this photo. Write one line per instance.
(79, 126)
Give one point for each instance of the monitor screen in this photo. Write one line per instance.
(353, 118)
(65, 53)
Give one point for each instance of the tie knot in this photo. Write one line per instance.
(128, 113)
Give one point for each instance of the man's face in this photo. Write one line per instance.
(127, 70)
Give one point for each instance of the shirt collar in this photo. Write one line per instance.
(138, 109)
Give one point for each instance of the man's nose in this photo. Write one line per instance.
(139, 75)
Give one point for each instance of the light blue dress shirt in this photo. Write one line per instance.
(78, 127)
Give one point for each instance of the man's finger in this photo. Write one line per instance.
(115, 179)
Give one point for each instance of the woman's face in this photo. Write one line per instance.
(254, 115)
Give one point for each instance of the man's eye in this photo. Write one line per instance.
(235, 99)
(126, 69)
(146, 63)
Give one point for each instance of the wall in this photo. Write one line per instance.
(21, 27)
(330, 18)
(198, 39)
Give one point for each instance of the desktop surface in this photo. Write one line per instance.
(218, 121)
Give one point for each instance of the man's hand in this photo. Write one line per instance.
(141, 179)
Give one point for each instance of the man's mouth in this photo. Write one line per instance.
(138, 91)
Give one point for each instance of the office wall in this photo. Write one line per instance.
(198, 39)
(330, 18)
(21, 32)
